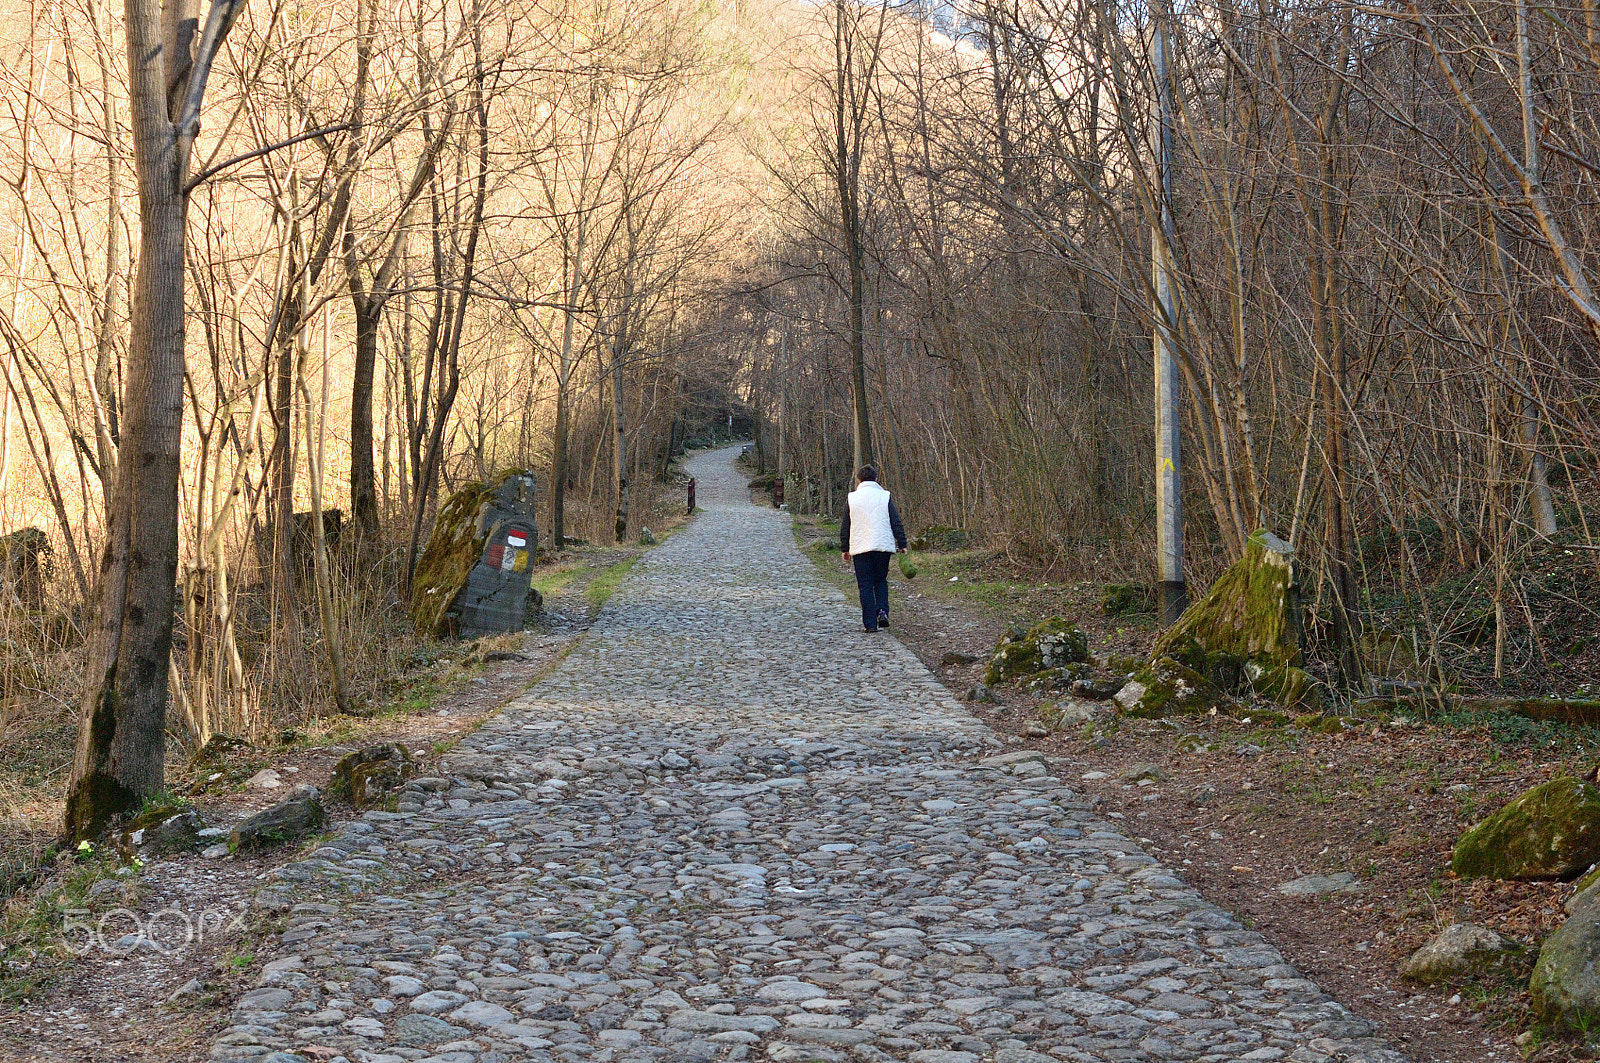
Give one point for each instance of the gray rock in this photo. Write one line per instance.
(475, 766)
(712, 1022)
(1096, 689)
(298, 814)
(267, 999)
(265, 779)
(481, 1013)
(1138, 772)
(426, 1030)
(191, 988)
(1315, 885)
(436, 1001)
(1462, 951)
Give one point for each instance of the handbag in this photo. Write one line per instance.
(908, 567)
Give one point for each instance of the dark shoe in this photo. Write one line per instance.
(870, 630)
(883, 618)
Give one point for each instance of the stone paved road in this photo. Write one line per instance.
(732, 826)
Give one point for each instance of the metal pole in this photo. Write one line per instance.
(1169, 462)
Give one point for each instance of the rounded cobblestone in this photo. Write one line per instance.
(731, 826)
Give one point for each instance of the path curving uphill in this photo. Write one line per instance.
(732, 826)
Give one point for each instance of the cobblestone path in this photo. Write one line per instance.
(732, 826)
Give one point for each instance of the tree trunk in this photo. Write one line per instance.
(121, 752)
(558, 466)
(847, 177)
(363, 483)
(619, 445)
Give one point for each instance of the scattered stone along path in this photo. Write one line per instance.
(732, 826)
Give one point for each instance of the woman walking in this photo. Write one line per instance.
(869, 533)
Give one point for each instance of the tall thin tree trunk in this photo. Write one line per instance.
(363, 482)
(121, 752)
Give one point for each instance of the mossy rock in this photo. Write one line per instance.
(453, 550)
(1289, 686)
(1565, 987)
(1317, 723)
(940, 539)
(1052, 643)
(1463, 952)
(1127, 599)
(1166, 687)
(1119, 664)
(25, 566)
(1053, 680)
(166, 829)
(1550, 832)
(219, 747)
(367, 776)
(1246, 630)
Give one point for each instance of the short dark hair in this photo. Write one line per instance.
(867, 472)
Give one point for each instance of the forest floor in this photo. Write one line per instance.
(1242, 806)
(94, 947)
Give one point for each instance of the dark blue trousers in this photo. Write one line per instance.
(872, 578)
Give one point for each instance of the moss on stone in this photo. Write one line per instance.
(366, 777)
(1550, 832)
(1050, 644)
(1565, 987)
(1289, 686)
(1245, 631)
(1166, 687)
(1127, 599)
(453, 549)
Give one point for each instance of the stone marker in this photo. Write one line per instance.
(475, 577)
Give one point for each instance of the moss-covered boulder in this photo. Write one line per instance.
(1127, 599)
(1055, 680)
(483, 536)
(161, 830)
(1550, 832)
(1166, 687)
(940, 539)
(1049, 644)
(1565, 986)
(1246, 630)
(366, 776)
